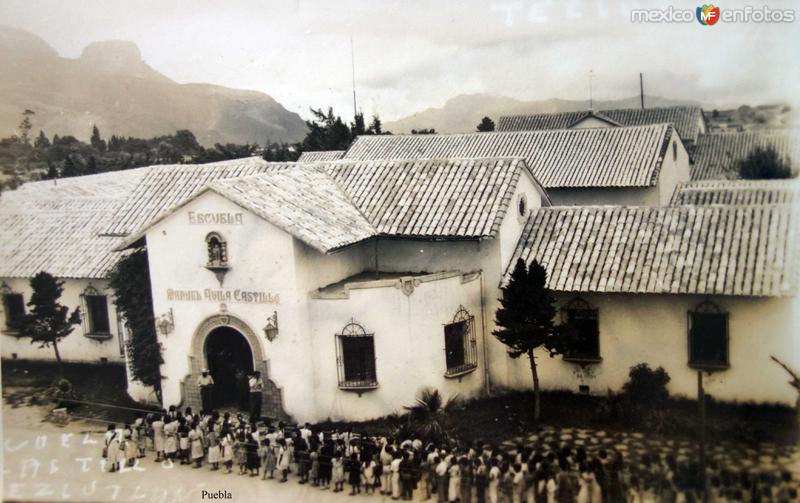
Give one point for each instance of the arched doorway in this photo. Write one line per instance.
(230, 362)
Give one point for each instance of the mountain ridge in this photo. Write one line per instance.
(110, 85)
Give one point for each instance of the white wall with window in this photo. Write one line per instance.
(730, 337)
(96, 339)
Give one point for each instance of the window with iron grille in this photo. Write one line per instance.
(582, 318)
(355, 357)
(708, 336)
(460, 346)
(217, 250)
(14, 308)
(95, 313)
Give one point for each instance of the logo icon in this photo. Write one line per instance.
(708, 15)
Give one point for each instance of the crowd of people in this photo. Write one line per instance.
(405, 468)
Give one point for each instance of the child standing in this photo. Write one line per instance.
(213, 448)
(354, 474)
(454, 483)
(313, 473)
(338, 472)
(369, 475)
(158, 437)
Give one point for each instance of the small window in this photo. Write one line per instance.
(674, 151)
(95, 313)
(14, 308)
(460, 347)
(522, 205)
(356, 358)
(708, 337)
(582, 318)
(217, 250)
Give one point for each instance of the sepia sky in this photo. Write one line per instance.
(414, 54)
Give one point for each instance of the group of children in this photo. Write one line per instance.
(450, 473)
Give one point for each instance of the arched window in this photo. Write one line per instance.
(460, 347)
(708, 336)
(355, 357)
(582, 319)
(217, 250)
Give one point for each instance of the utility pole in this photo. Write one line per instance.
(353, 68)
(591, 99)
(641, 90)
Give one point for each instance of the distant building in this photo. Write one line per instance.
(325, 155)
(689, 121)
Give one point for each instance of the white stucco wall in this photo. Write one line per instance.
(76, 347)
(409, 343)
(594, 196)
(674, 170)
(262, 259)
(591, 122)
(653, 329)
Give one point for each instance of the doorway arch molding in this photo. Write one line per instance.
(272, 399)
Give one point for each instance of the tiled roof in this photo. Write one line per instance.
(740, 192)
(54, 226)
(716, 154)
(332, 204)
(604, 157)
(686, 119)
(465, 198)
(303, 201)
(325, 155)
(165, 187)
(719, 250)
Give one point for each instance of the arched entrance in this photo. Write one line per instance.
(223, 342)
(229, 360)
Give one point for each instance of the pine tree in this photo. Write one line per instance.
(375, 127)
(25, 127)
(485, 125)
(48, 321)
(52, 171)
(526, 320)
(41, 141)
(91, 167)
(96, 141)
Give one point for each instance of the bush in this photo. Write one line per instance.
(647, 387)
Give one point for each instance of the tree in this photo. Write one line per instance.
(130, 280)
(375, 127)
(70, 169)
(423, 131)
(427, 418)
(357, 127)
(525, 320)
(763, 163)
(326, 131)
(52, 171)
(96, 141)
(48, 321)
(25, 127)
(91, 166)
(41, 141)
(485, 125)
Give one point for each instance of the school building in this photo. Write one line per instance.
(353, 282)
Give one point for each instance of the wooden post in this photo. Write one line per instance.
(641, 90)
(701, 401)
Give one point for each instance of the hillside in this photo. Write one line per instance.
(111, 86)
(462, 113)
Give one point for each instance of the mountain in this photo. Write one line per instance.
(111, 86)
(462, 113)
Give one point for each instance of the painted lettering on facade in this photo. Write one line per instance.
(199, 218)
(228, 296)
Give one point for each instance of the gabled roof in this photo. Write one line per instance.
(686, 119)
(707, 250)
(54, 226)
(166, 186)
(716, 154)
(741, 192)
(303, 201)
(329, 205)
(601, 157)
(461, 198)
(325, 155)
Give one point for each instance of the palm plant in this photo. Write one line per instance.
(428, 417)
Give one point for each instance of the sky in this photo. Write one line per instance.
(411, 55)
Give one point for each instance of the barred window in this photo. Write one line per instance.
(217, 250)
(14, 308)
(95, 309)
(355, 357)
(582, 318)
(708, 336)
(460, 347)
